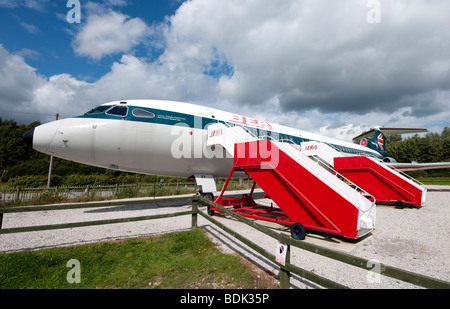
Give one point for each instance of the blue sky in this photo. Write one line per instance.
(42, 34)
(330, 67)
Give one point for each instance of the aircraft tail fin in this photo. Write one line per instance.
(375, 138)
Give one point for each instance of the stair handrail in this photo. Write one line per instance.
(314, 167)
(346, 154)
(401, 172)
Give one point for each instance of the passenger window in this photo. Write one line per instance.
(140, 113)
(275, 136)
(118, 111)
(262, 133)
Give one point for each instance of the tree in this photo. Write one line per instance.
(433, 147)
(12, 148)
(445, 133)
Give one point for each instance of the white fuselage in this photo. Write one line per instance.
(159, 138)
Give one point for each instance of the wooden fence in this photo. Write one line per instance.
(43, 195)
(93, 192)
(285, 271)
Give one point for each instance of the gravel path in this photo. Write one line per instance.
(412, 239)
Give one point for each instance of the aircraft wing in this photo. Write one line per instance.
(419, 166)
(387, 132)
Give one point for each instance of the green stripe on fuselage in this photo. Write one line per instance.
(170, 118)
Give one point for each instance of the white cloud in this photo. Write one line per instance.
(116, 2)
(26, 96)
(108, 34)
(32, 4)
(30, 28)
(17, 84)
(315, 65)
(28, 53)
(59, 95)
(320, 56)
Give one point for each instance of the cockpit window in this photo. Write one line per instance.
(98, 110)
(118, 110)
(137, 112)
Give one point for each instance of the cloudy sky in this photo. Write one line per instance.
(325, 66)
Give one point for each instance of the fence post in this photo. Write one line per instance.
(194, 212)
(284, 273)
(17, 194)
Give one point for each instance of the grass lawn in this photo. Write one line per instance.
(184, 260)
(434, 180)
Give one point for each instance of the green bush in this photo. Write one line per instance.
(128, 192)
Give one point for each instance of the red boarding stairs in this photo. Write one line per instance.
(385, 183)
(308, 195)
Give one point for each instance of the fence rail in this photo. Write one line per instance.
(92, 192)
(393, 272)
(44, 195)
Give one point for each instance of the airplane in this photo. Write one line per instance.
(168, 138)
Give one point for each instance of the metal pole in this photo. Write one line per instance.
(50, 165)
(49, 172)
(225, 184)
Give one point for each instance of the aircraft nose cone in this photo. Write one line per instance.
(28, 137)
